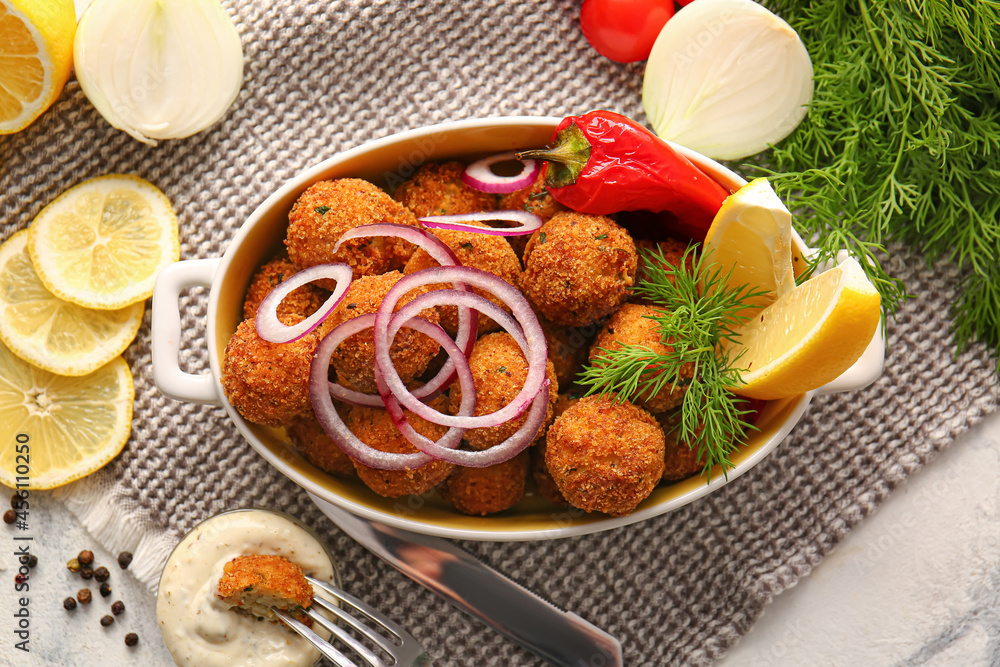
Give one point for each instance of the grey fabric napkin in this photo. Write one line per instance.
(323, 76)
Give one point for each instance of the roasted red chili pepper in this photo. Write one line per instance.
(603, 162)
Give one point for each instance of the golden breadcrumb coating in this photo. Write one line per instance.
(631, 325)
(482, 491)
(254, 583)
(568, 348)
(543, 480)
(354, 358)
(295, 307)
(533, 199)
(578, 268)
(327, 209)
(499, 369)
(437, 189)
(679, 459)
(316, 446)
(605, 456)
(374, 427)
(480, 251)
(672, 251)
(268, 383)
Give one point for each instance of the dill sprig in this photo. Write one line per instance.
(901, 142)
(699, 311)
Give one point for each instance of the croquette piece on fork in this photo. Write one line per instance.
(254, 583)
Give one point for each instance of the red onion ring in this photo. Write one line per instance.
(479, 176)
(271, 329)
(536, 352)
(457, 223)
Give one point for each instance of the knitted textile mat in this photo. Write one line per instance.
(325, 76)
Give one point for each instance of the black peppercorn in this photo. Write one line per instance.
(131, 639)
(69, 604)
(73, 565)
(32, 560)
(83, 596)
(101, 574)
(105, 590)
(124, 559)
(86, 557)
(118, 607)
(107, 620)
(10, 516)
(87, 572)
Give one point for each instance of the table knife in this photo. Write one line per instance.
(558, 637)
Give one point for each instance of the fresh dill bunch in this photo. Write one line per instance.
(901, 141)
(699, 311)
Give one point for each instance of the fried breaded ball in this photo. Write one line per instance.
(295, 307)
(680, 460)
(354, 358)
(482, 491)
(480, 251)
(254, 583)
(672, 252)
(316, 446)
(437, 189)
(568, 348)
(499, 369)
(578, 268)
(268, 383)
(543, 480)
(374, 427)
(605, 456)
(328, 209)
(534, 199)
(631, 325)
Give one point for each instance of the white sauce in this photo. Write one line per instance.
(198, 628)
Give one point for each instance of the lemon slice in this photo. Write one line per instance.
(752, 234)
(56, 429)
(50, 333)
(809, 336)
(101, 243)
(36, 58)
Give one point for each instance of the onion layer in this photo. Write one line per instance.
(479, 176)
(271, 329)
(459, 223)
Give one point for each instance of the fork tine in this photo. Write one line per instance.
(390, 626)
(347, 637)
(354, 622)
(324, 647)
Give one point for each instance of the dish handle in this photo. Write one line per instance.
(166, 332)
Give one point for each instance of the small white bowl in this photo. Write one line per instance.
(386, 162)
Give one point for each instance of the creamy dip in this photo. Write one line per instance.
(200, 629)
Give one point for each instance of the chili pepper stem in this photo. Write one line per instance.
(566, 159)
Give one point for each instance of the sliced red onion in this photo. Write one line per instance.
(459, 223)
(535, 349)
(271, 329)
(479, 176)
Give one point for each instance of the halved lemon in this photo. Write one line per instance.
(809, 336)
(752, 235)
(36, 58)
(56, 335)
(101, 243)
(57, 429)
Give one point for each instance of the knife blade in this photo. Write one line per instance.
(559, 637)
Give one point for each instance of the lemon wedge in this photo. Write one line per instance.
(752, 235)
(809, 336)
(56, 429)
(36, 58)
(101, 243)
(56, 335)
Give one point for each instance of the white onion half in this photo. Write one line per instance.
(727, 78)
(158, 69)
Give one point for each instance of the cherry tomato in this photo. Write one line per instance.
(624, 30)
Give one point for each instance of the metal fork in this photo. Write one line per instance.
(389, 636)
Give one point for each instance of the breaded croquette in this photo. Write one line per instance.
(354, 358)
(255, 583)
(605, 456)
(679, 459)
(374, 427)
(568, 348)
(533, 199)
(268, 383)
(543, 480)
(328, 209)
(295, 307)
(499, 369)
(482, 491)
(631, 325)
(480, 251)
(578, 268)
(316, 446)
(671, 250)
(437, 189)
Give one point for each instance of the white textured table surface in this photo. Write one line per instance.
(917, 583)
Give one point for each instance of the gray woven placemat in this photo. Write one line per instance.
(322, 76)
